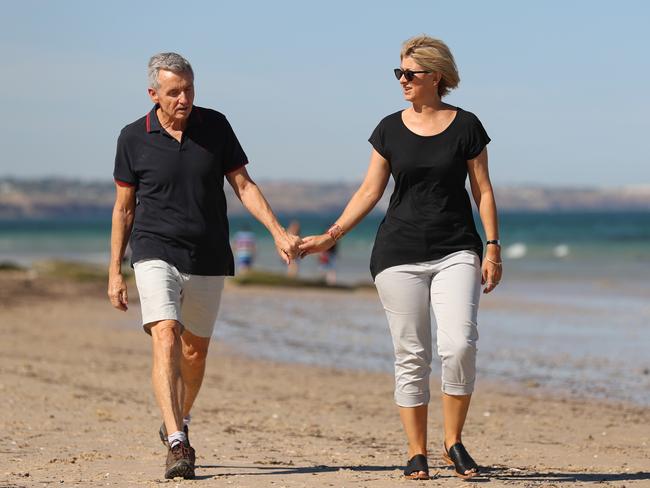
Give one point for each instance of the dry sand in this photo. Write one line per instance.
(79, 411)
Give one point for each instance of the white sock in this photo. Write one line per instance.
(187, 419)
(176, 438)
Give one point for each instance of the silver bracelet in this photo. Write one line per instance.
(494, 262)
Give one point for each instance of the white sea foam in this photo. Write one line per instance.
(516, 251)
(561, 251)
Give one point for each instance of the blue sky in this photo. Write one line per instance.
(561, 86)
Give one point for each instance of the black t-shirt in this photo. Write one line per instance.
(430, 214)
(180, 215)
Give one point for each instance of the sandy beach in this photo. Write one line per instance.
(79, 411)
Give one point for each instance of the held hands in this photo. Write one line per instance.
(314, 244)
(117, 293)
(492, 269)
(287, 246)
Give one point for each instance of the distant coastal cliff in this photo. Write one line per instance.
(64, 198)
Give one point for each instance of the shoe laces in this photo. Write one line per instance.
(180, 451)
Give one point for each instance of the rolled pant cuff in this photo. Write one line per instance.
(458, 388)
(412, 400)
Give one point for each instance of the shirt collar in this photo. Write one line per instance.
(152, 123)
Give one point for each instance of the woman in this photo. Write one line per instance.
(427, 252)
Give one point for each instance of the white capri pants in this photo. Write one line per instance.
(451, 286)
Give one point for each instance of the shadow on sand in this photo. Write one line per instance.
(501, 473)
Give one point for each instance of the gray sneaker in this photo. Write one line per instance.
(179, 463)
(163, 438)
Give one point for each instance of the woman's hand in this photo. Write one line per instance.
(492, 269)
(314, 244)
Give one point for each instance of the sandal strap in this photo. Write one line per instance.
(415, 464)
(463, 462)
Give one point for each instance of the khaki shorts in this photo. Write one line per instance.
(168, 294)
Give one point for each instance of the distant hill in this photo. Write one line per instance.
(64, 198)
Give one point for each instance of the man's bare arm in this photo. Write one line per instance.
(122, 223)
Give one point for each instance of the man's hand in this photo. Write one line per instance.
(117, 291)
(287, 246)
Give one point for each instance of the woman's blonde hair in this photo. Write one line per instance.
(433, 55)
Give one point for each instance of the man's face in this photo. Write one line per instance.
(175, 94)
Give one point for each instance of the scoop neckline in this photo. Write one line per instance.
(453, 121)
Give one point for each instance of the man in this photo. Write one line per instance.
(169, 174)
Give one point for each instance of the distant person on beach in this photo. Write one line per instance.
(427, 252)
(169, 174)
(244, 249)
(327, 264)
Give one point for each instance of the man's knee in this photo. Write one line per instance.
(195, 348)
(165, 334)
(194, 354)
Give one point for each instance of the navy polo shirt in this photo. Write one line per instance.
(180, 213)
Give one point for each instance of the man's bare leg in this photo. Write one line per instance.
(193, 359)
(166, 372)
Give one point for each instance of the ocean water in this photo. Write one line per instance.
(572, 312)
(585, 245)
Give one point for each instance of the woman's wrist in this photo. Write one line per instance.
(493, 254)
(335, 232)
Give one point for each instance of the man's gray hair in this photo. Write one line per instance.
(168, 61)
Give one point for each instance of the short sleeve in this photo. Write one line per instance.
(378, 141)
(234, 156)
(477, 138)
(123, 171)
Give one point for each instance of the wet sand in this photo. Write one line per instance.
(79, 411)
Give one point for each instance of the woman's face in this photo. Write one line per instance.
(422, 87)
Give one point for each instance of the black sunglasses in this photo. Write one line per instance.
(407, 73)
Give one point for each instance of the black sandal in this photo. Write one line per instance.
(415, 465)
(458, 456)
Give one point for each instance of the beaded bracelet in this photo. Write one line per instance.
(335, 232)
